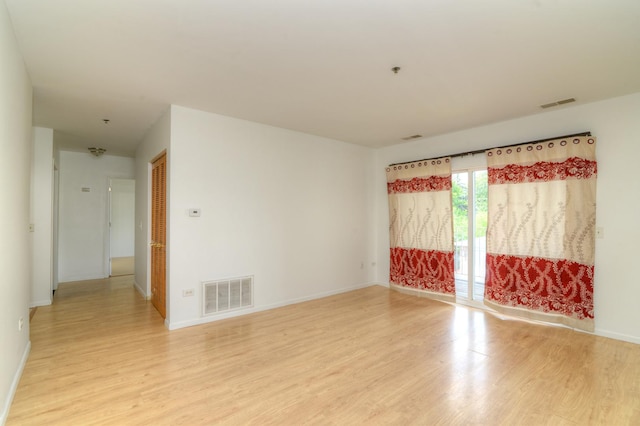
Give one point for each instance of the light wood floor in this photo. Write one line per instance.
(102, 356)
(122, 266)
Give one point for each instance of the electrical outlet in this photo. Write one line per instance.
(20, 324)
(187, 293)
(599, 232)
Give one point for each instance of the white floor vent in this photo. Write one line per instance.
(227, 295)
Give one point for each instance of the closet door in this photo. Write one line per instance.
(158, 234)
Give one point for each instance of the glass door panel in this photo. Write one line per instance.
(469, 199)
(460, 201)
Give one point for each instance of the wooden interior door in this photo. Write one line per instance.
(159, 234)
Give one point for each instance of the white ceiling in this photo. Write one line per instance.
(319, 66)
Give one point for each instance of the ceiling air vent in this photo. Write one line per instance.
(409, 138)
(556, 103)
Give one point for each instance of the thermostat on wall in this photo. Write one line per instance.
(194, 212)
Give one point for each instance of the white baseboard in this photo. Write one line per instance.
(39, 303)
(14, 384)
(212, 318)
(140, 290)
(73, 278)
(617, 336)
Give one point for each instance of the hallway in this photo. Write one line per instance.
(85, 347)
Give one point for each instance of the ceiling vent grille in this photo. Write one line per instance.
(556, 103)
(227, 295)
(409, 138)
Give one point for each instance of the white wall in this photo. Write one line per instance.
(83, 246)
(154, 143)
(616, 124)
(42, 217)
(15, 172)
(287, 207)
(122, 207)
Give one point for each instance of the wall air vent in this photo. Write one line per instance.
(227, 295)
(556, 103)
(408, 138)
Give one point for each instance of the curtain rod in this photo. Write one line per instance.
(480, 151)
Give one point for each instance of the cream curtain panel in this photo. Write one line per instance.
(420, 228)
(541, 231)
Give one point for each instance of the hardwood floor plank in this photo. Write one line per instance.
(101, 355)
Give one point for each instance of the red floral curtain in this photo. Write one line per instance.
(541, 231)
(420, 228)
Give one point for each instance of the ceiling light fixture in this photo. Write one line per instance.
(395, 70)
(106, 121)
(97, 151)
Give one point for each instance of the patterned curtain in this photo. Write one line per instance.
(541, 231)
(420, 228)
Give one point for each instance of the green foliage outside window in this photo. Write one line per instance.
(459, 195)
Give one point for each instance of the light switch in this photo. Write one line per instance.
(194, 212)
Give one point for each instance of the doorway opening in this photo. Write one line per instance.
(122, 196)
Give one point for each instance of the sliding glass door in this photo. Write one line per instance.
(469, 194)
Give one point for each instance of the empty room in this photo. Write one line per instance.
(326, 212)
